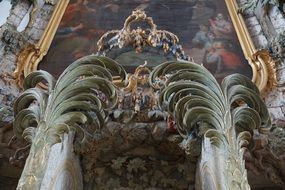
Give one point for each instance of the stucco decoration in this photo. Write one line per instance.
(14, 40)
(263, 10)
(277, 46)
(140, 38)
(252, 5)
(223, 118)
(76, 103)
(6, 114)
(36, 5)
(267, 155)
(138, 155)
(12, 150)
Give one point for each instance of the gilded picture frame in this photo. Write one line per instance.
(263, 66)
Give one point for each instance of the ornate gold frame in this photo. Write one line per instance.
(29, 59)
(263, 65)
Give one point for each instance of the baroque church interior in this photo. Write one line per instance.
(141, 94)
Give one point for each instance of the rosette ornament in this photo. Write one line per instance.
(223, 115)
(77, 104)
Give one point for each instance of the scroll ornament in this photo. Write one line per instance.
(140, 38)
(76, 103)
(226, 114)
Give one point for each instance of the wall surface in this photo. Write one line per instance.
(13, 42)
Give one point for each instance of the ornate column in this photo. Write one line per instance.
(220, 119)
(61, 120)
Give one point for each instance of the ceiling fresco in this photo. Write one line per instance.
(203, 27)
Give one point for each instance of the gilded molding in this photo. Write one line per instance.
(263, 65)
(30, 57)
(139, 38)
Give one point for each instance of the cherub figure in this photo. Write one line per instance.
(221, 27)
